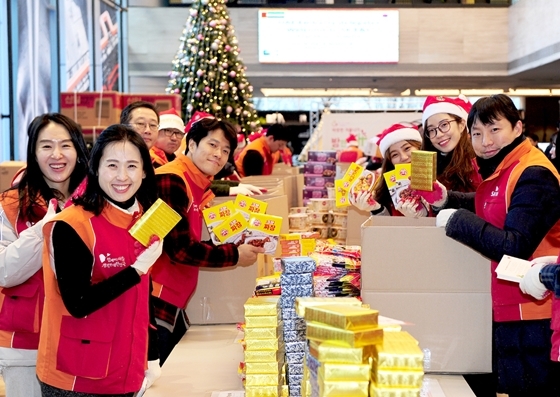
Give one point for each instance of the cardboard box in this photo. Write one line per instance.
(413, 272)
(92, 132)
(221, 293)
(161, 101)
(92, 108)
(7, 171)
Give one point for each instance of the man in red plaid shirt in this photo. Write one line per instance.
(184, 184)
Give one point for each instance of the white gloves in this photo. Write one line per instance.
(531, 284)
(245, 189)
(51, 212)
(147, 258)
(150, 376)
(437, 197)
(365, 202)
(411, 208)
(443, 217)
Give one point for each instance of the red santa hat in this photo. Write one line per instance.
(241, 142)
(459, 106)
(196, 117)
(397, 133)
(256, 135)
(351, 140)
(170, 119)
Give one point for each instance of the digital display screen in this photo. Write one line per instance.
(328, 36)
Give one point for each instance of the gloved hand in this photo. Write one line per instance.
(365, 202)
(51, 212)
(152, 373)
(411, 208)
(147, 258)
(551, 259)
(531, 284)
(245, 189)
(437, 197)
(443, 217)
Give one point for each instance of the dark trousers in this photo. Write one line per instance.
(51, 391)
(167, 339)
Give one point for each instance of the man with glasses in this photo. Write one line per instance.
(171, 132)
(143, 118)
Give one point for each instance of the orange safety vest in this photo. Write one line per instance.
(21, 306)
(158, 156)
(104, 352)
(260, 146)
(173, 282)
(492, 201)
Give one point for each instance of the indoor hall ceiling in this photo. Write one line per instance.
(545, 76)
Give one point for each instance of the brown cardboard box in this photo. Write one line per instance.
(7, 171)
(161, 101)
(91, 133)
(413, 272)
(91, 108)
(221, 293)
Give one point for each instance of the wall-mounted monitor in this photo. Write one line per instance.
(328, 36)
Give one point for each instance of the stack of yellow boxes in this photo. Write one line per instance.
(397, 369)
(264, 348)
(339, 335)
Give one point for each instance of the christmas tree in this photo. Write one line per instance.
(207, 70)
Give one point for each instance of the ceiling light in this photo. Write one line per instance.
(482, 92)
(555, 92)
(436, 92)
(406, 92)
(529, 92)
(321, 92)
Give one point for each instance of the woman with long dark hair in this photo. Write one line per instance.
(95, 334)
(56, 164)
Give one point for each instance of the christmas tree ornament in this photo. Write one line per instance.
(232, 74)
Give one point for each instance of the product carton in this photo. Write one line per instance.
(7, 171)
(92, 108)
(441, 288)
(161, 101)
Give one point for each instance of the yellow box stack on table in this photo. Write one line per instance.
(264, 349)
(396, 366)
(338, 337)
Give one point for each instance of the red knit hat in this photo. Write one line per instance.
(352, 140)
(196, 117)
(170, 119)
(397, 133)
(459, 106)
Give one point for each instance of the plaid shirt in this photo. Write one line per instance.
(180, 245)
(549, 277)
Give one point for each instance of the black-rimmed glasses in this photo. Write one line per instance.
(169, 133)
(443, 127)
(141, 126)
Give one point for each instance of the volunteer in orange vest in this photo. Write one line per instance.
(352, 152)
(171, 132)
(514, 212)
(184, 184)
(143, 118)
(259, 156)
(56, 164)
(94, 337)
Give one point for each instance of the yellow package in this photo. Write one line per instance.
(263, 333)
(261, 321)
(342, 316)
(423, 170)
(397, 181)
(249, 205)
(262, 306)
(262, 344)
(263, 380)
(264, 368)
(322, 332)
(399, 350)
(264, 356)
(159, 220)
(352, 174)
(263, 391)
(344, 372)
(308, 301)
(298, 244)
(343, 389)
(341, 194)
(231, 229)
(214, 216)
(383, 391)
(330, 352)
(263, 231)
(397, 377)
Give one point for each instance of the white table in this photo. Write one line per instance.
(207, 358)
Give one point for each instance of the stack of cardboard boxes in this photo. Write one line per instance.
(94, 111)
